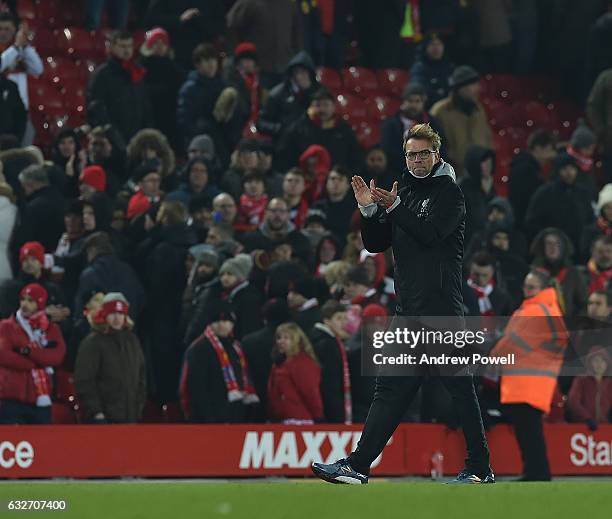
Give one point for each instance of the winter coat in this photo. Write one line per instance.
(426, 233)
(476, 200)
(107, 273)
(272, 25)
(246, 302)
(196, 102)
(257, 348)
(112, 98)
(332, 386)
(293, 389)
(109, 376)
(462, 129)
(338, 214)
(261, 239)
(202, 388)
(433, 76)
(184, 194)
(564, 207)
(163, 79)
(392, 138)
(8, 215)
(16, 381)
(186, 35)
(339, 140)
(40, 219)
(286, 104)
(13, 114)
(599, 109)
(524, 181)
(586, 395)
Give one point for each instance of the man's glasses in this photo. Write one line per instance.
(422, 155)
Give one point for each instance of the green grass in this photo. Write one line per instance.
(298, 499)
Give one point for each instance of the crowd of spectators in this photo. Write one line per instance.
(197, 243)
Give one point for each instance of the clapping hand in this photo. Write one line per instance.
(363, 193)
(383, 197)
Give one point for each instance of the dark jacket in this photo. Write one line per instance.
(203, 390)
(109, 376)
(330, 359)
(339, 140)
(196, 101)
(338, 214)
(246, 303)
(260, 239)
(112, 98)
(163, 79)
(562, 206)
(257, 348)
(107, 273)
(286, 103)
(12, 112)
(524, 181)
(426, 232)
(476, 200)
(392, 138)
(41, 219)
(432, 75)
(294, 389)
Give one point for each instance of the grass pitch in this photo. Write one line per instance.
(314, 500)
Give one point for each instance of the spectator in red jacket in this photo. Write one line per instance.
(293, 387)
(29, 346)
(148, 178)
(590, 397)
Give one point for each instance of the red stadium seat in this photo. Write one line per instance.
(70, 13)
(329, 77)
(538, 115)
(392, 81)
(361, 81)
(367, 133)
(78, 43)
(26, 10)
(381, 107)
(501, 115)
(351, 108)
(46, 42)
(43, 94)
(504, 87)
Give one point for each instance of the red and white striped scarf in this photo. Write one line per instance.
(484, 303)
(36, 329)
(234, 393)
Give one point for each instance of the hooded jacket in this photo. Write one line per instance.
(426, 231)
(315, 187)
(431, 74)
(286, 103)
(476, 200)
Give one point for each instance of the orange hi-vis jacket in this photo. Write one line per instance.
(537, 335)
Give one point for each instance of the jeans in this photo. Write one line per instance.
(14, 412)
(391, 398)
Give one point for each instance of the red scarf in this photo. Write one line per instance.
(234, 392)
(346, 384)
(135, 71)
(604, 226)
(301, 213)
(598, 279)
(252, 210)
(585, 163)
(35, 327)
(482, 293)
(251, 82)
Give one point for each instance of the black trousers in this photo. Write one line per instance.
(391, 398)
(529, 432)
(13, 412)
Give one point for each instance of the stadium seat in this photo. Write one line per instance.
(361, 81)
(537, 115)
(76, 42)
(504, 87)
(26, 10)
(381, 107)
(392, 81)
(501, 115)
(70, 13)
(46, 42)
(44, 94)
(351, 108)
(329, 78)
(367, 133)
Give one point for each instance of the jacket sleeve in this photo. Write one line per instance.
(9, 358)
(186, 110)
(376, 232)
(97, 97)
(269, 116)
(535, 216)
(198, 385)
(19, 115)
(307, 382)
(574, 401)
(596, 104)
(44, 357)
(444, 217)
(86, 370)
